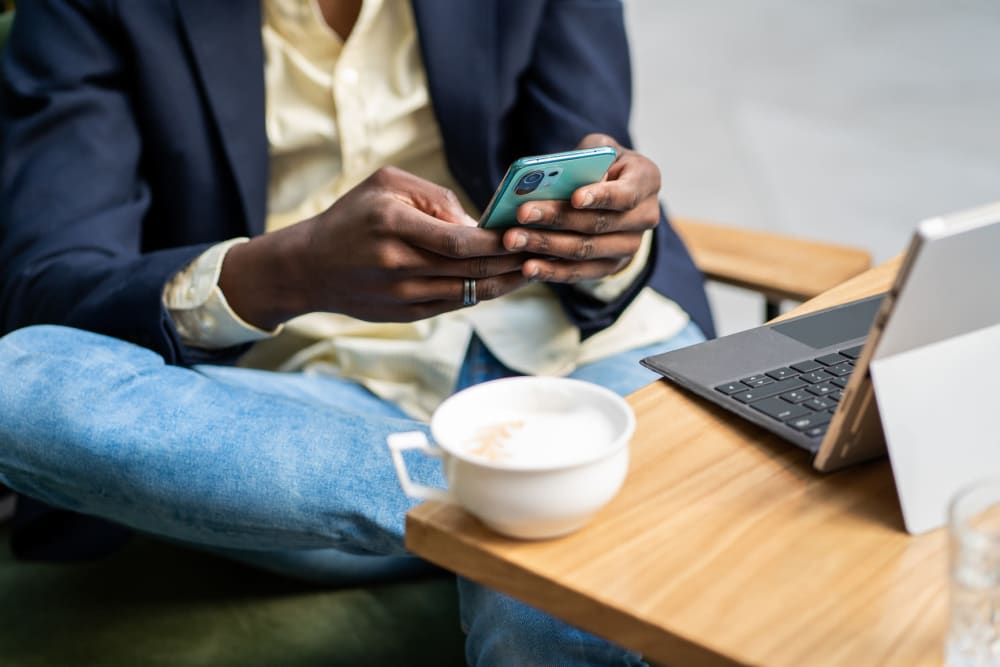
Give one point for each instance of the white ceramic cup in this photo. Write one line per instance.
(532, 457)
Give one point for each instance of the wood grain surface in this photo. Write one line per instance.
(725, 547)
(776, 265)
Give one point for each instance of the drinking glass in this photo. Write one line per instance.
(974, 564)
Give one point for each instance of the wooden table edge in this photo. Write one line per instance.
(468, 559)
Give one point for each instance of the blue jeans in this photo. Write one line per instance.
(288, 472)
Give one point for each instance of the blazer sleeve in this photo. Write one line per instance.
(73, 200)
(579, 81)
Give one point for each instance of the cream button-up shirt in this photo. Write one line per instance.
(336, 111)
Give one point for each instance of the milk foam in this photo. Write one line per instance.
(539, 438)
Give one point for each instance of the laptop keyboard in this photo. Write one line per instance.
(803, 395)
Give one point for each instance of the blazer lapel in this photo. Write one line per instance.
(458, 45)
(225, 40)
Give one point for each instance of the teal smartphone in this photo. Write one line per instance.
(544, 177)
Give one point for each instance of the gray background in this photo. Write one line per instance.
(845, 120)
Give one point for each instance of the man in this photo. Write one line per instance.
(146, 148)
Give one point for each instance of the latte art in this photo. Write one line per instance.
(541, 438)
(490, 442)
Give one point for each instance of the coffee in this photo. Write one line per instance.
(536, 438)
(533, 457)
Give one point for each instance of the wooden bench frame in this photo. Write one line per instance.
(777, 266)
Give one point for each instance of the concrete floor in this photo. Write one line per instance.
(848, 121)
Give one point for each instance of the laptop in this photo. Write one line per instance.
(807, 380)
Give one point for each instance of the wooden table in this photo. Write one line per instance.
(725, 547)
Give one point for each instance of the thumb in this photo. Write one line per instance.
(437, 201)
(453, 212)
(596, 139)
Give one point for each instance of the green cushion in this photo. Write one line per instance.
(6, 21)
(155, 604)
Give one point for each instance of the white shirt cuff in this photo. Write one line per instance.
(199, 309)
(611, 287)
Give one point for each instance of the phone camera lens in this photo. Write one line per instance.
(529, 182)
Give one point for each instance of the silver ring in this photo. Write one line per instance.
(469, 292)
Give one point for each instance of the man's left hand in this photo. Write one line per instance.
(597, 232)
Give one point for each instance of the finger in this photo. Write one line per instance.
(493, 288)
(562, 216)
(572, 272)
(422, 230)
(451, 291)
(575, 246)
(427, 264)
(435, 200)
(632, 179)
(597, 139)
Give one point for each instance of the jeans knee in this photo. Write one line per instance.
(39, 339)
(61, 376)
(55, 362)
(42, 343)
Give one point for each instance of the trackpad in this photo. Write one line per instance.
(833, 326)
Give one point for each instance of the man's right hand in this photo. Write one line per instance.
(396, 248)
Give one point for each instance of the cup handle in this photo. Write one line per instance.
(398, 443)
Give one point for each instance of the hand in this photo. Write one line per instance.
(396, 248)
(599, 230)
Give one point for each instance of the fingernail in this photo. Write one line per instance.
(588, 199)
(518, 241)
(534, 215)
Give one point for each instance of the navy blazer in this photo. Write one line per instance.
(132, 138)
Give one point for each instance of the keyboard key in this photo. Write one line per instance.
(756, 381)
(840, 382)
(768, 390)
(813, 377)
(731, 388)
(853, 352)
(840, 369)
(831, 359)
(835, 396)
(817, 403)
(796, 396)
(781, 373)
(817, 431)
(779, 409)
(821, 389)
(809, 421)
(806, 366)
